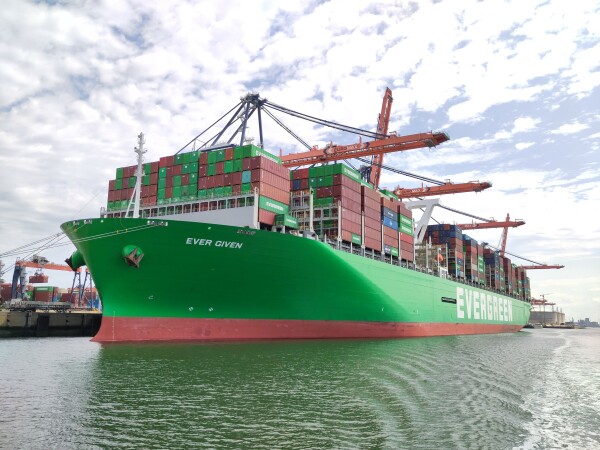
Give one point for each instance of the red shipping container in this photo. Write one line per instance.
(236, 189)
(406, 238)
(300, 174)
(273, 192)
(177, 169)
(169, 182)
(153, 167)
(149, 201)
(236, 178)
(185, 179)
(219, 167)
(246, 164)
(266, 217)
(388, 240)
(227, 179)
(203, 160)
(228, 154)
(202, 171)
(202, 183)
(112, 185)
(163, 162)
(168, 192)
(154, 178)
(406, 255)
(372, 243)
(387, 231)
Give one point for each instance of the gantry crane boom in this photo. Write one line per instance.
(446, 188)
(491, 224)
(379, 146)
(49, 266)
(383, 122)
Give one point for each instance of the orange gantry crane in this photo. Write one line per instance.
(39, 262)
(383, 122)
(446, 188)
(543, 266)
(495, 224)
(382, 144)
(333, 152)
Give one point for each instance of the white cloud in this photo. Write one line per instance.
(570, 128)
(523, 145)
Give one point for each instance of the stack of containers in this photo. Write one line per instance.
(371, 206)
(509, 276)
(195, 175)
(406, 228)
(121, 188)
(471, 259)
(45, 293)
(480, 264)
(452, 237)
(333, 184)
(241, 170)
(346, 189)
(492, 268)
(389, 218)
(177, 178)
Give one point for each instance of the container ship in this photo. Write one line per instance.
(228, 243)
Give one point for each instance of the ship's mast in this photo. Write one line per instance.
(139, 173)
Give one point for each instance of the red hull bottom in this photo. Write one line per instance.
(130, 329)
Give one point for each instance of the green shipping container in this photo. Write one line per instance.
(356, 239)
(177, 192)
(162, 172)
(286, 220)
(405, 220)
(118, 184)
(119, 173)
(177, 180)
(394, 251)
(147, 168)
(146, 180)
(228, 167)
(161, 193)
(212, 157)
(162, 183)
(131, 182)
(193, 178)
(184, 191)
(211, 169)
(237, 165)
(185, 169)
(218, 191)
(227, 191)
(202, 193)
(273, 205)
(180, 159)
(246, 188)
(238, 153)
(193, 167)
(406, 229)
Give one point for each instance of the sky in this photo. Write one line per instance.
(515, 84)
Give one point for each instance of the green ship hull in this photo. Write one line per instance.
(203, 281)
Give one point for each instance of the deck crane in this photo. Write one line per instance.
(383, 122)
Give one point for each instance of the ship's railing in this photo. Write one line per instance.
(373, 254)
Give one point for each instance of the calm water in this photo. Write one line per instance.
(533, 389)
